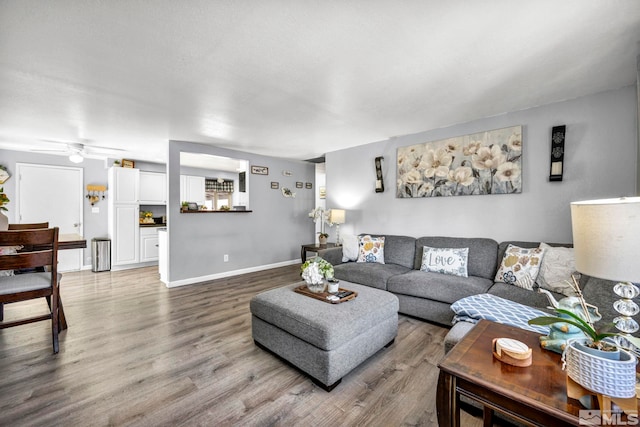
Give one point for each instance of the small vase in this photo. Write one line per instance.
(333, 286)
(4, 222)
(317, 288)
(322, 240)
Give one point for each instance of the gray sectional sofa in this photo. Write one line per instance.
(429, 295)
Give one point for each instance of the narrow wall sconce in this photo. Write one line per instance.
(379, 182)
(557, 153)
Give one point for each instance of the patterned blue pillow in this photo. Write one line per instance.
(452, 261)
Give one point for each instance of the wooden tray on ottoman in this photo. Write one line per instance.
(322, 296)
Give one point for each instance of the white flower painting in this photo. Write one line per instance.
(482, 163)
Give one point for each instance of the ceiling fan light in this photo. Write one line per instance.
(76, 158)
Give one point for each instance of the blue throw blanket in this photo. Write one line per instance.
(490, 307)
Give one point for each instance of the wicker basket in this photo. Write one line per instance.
(614, 378)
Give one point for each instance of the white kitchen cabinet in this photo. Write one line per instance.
(153, 188)
(124, 216)
(148, 244)
(124, 233)
(192, 189)
(124, 185)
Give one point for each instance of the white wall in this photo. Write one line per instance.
(600, 161)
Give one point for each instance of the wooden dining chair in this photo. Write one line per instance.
(43, 252)
(32, 226)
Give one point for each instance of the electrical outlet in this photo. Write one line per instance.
(226, 257)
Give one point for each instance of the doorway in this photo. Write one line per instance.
(53, 194)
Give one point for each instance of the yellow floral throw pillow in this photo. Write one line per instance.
(370, 249)
(520, 266)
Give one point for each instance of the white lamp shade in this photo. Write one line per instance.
(606, 238)
(337, 216)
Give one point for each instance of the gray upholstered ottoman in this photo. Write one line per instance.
(326, 341)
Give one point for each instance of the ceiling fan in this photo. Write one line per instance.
(77, 151)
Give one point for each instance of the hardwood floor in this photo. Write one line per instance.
(137, 353)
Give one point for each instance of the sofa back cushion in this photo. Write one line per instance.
(483, 253)
(400, 250)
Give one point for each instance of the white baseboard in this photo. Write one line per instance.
(207, 278)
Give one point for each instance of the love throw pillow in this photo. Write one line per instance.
(452, 261)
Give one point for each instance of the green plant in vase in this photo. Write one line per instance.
(595, 338)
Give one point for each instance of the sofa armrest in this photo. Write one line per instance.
(331, 255)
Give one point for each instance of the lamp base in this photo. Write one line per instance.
(626, 307)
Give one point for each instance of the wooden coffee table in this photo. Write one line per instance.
(535, 395)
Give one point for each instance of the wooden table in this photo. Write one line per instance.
(535, 395)
(71, 241)
(68, 241)
(313, 247)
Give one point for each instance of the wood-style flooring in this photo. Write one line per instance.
(137, 353)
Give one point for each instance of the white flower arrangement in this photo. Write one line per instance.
(315, 271)
(321, 214)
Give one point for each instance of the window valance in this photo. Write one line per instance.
(214, 185)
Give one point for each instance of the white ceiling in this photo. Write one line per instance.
(294, 78)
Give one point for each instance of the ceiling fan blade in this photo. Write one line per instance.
(97, 147)
(36, 150)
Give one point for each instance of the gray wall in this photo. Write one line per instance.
(638, 140)
(95, 172)
(600, 161)
(271, 234)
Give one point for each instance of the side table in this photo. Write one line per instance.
(534, 395)
(313, 247)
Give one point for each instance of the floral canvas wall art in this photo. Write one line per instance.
(481, 163)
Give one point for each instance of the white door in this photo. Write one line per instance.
(53, 194)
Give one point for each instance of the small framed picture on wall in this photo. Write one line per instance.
(275, 185)
(259, 170)
(299, 185)
(128, 163)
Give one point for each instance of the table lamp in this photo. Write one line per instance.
(337, 217)
(606, 240)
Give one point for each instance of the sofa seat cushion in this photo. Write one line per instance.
(370, 274)
(437, 287)
(523, 296)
